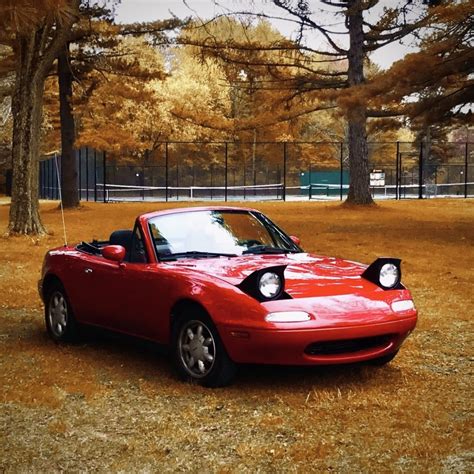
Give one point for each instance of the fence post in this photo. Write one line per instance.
(225, 175)
(341, 171)
(79, 157)
(285, 157)
(466, 151)
(397, 173)
(46, 179)
(104, 170)
(177, 177)
(144, 167)
(40, 180)
(245, 177)
(59, 170)
(51, 178)
(95, 175)
(87, 173)
(166, 171)
(45, 196)
(420, 173)
(211, 169)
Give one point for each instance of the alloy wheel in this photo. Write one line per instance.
(197, 348)
(58, 314)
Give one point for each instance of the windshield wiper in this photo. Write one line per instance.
(195, 254)
(260, 249)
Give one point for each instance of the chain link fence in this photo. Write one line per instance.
(256, 171)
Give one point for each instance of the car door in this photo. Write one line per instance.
(93, 294)
(131, 289)
(119, 296)
(137, 290)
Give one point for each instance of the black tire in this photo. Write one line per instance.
(217, 372)
(380, 361)
(59, 317)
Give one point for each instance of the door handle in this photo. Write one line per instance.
(88, 270)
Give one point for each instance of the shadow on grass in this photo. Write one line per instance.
(129, 359)
(151, 361)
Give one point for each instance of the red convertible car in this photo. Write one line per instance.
(222, 286)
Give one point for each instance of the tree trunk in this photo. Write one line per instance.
(27, 107)
(359, 190)
(35, 51)
(70, 193)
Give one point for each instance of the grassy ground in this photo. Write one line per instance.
(114, 404)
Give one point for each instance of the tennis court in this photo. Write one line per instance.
(221, 171)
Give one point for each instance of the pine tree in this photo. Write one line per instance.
(433, 86)
(310, 75)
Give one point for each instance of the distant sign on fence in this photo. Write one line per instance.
(377, 178)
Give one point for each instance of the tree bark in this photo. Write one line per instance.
(27, 107)
(359, 190)
(69, 186)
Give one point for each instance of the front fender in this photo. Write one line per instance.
(226, 304)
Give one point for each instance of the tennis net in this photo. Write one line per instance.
(124, 192)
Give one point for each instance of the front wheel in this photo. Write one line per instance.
(199, 354)
(59, 318)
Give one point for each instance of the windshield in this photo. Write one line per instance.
(196, 234)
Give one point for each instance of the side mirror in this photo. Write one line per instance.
(114, 252)
(295, 239)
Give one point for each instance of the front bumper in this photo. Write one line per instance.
(290, 346)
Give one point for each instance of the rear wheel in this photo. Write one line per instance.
(59, 318)
(384, 359)
(199, 354)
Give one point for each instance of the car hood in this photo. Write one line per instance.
(305, 275)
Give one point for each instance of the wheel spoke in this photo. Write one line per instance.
(190, 334)
(201, 366)
(199, 331)
(207, 342)
(208, 357)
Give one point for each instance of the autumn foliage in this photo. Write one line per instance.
(126, 89)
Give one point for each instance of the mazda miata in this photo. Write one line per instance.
(222, 286)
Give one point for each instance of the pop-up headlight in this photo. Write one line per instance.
(385, 272)
(266, 284)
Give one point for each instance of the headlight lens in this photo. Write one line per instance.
(287, 317)
(389, 275)
(269, 284)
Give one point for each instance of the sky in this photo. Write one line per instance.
(148, 10)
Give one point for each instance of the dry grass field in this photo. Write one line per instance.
(112, 404)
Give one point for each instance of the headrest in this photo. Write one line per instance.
(121, 237)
